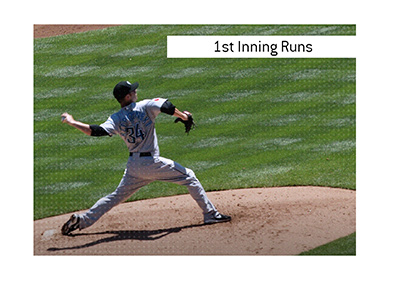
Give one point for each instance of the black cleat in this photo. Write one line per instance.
(71, 225)
(216, 218)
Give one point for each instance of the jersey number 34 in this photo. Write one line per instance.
(134, 133)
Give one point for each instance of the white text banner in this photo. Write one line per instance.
(261, 47)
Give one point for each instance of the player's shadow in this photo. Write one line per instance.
(125, 235)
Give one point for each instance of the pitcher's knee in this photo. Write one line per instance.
(191, 175)
(194, 183)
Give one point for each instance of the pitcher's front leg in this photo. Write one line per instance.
(171, 171)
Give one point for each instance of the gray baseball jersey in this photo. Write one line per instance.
(135, 124)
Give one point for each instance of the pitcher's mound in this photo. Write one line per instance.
(265, 221)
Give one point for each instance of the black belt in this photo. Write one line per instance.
(145, 154)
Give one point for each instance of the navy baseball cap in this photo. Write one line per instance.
(123, 88)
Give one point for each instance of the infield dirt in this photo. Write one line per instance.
(265, 221)
(43, 31)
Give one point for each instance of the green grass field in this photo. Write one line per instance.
(342, 246)
(260, 122)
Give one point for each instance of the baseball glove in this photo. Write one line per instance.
(189, 124)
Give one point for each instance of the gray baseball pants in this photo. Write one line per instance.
(141, 171)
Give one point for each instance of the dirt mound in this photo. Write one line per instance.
(265, 221)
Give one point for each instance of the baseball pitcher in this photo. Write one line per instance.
(134, 123)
